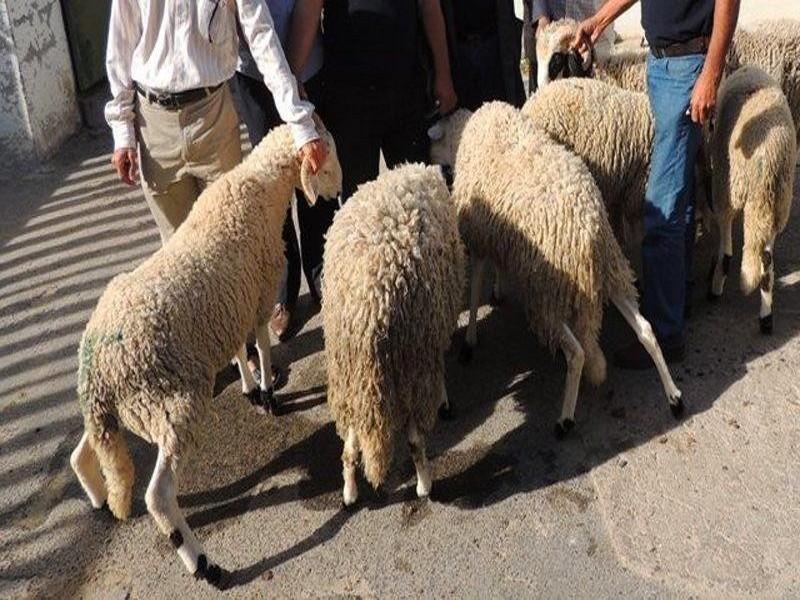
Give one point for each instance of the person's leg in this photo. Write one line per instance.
(169, 193)
(404, 136)
(314, 222)
(669, 197)
(350, 116)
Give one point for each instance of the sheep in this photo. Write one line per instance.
(624, 68)
(611, 129)
(774, 46)
(532, 207)
(394, 275)
(159, 334)
(753, 151)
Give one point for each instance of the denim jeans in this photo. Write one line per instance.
(669, 197)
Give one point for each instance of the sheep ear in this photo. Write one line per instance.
(309, 182)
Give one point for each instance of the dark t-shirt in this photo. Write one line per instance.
(371, 42)
(668, 22)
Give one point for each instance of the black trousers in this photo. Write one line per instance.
(257, 109)
(367, 119)
(479, 77)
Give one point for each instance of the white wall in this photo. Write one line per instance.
(38, 107)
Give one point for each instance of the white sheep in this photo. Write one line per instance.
(752, 151)
(394, 275)
(532, 207)
(159, 334)
(774, 46)
(611, 129)
(624, 68)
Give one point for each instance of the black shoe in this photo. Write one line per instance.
(635, 358)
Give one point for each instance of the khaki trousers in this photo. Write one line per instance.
(182, 151)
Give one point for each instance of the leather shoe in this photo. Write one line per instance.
(281, 321)
(635, 358)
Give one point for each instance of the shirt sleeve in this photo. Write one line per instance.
(124, 32)
(259, 30)
(539, 9)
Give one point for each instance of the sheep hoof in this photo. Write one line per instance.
(676, 407)
(254, 396)
(424, 487)
(563, 428)
(349, 497)
(765, 324)
(268, 402)
(712, 297)
(208, 571)
(465, 356)
(447, 412)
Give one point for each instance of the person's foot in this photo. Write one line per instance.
(634, 356)
(281, 321)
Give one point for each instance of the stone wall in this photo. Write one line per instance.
(38, 107)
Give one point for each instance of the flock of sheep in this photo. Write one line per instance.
(547, 193)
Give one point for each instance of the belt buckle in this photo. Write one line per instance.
(167, 101)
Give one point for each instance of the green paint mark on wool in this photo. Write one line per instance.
(89, 344)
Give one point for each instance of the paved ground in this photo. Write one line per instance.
(632, 504)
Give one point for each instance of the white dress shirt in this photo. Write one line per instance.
(178, 45)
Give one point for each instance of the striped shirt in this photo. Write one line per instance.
(178, 46)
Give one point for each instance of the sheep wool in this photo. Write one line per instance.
(610, 128)
(394, 275)
(159, 334)
(532, 207)
(753, 151)
(773, 46)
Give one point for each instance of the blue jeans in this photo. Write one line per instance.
(669, 197)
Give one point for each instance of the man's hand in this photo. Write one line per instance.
(316, 151)
(126, 163)
(589, 31)
(704, 97)
(445, 93)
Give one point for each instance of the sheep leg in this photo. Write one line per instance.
(497, 291)
(573, 352)
(644, 331)
(349, 462)
(162, 504)
(446, 411)
(86, 466)
(416, 442)
(249, 384)
(267, 391)
(478, 268)
(722, 263)
(767, 285)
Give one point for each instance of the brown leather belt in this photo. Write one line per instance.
(698, 45)
(177, 100)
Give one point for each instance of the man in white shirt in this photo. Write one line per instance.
(168, 64)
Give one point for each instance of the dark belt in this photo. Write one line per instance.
(698, 45)
(177, 100)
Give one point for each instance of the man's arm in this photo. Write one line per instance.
(259, 31)
(704, 96)
(124, 31)
(590, 30)
(304, 29)
(433, 20)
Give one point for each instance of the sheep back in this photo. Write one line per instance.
(533, 208)
(394, 275)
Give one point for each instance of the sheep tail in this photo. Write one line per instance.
(757, 232)
(377, 450)
(105, 437)
(117, 466)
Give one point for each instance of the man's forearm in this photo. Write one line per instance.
(433, 20)
(726, 13)
(612, 9)
(304, 29)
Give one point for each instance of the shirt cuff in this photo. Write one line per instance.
(304, 132)
(124, 134)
